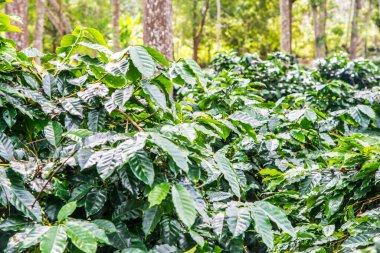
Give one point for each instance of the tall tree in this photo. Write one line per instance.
(157, 26)
(39, 28)
(198, 26)
(355, 29)
(57, 17)
(115, 24)
(286, 25)
(367, 20)
(19, 8)
(218, 23)
(319, 12)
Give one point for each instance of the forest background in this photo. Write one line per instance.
(200, 28)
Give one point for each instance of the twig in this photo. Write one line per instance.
(43, 139)
(51, 177)
(131, 120)
(148, 117)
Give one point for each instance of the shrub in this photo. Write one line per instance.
(258, 156)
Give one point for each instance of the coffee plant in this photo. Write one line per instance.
(107, 151)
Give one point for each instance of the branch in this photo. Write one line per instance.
(51, 177)
(55, 22)
(204, 14)
(131, 120)
(65, 24)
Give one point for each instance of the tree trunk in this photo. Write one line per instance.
(286, 25)
(55, 21)
(367, 19)
(62, 24)
(115, 24)
(19, 8)
(39, 29)
(319, 21)
(322, 28)
(195, 25)
(314, 11)
(354, 30)
(218, 24)
(157, 26)
(197, 35)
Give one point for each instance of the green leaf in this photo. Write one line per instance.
(197, 70)
(359, 117)
(54, 241)
(34, 236)
(95, 201)
(142, 60)
(81, 238)
(177, 153)
(184, 205)
(245, 118)
(80, 191)
(9, 116)
(276, 215)
(13, 224)
(228, 171)
(217, 223)
(77, 134)
(238, 220)
(295, 115)
(197, 238)
(365, 109)
(157, 56)
(334, 204)
(98, 233)
(151, 218)
(96, 120)
(185, 72)
(263, 227)
(298, 135)
(155, 94)
(53, 133)
(142, 167)
(106, 225)
(73, 106)
(96, 47)
(358, 240)
(6, 147)
(50, 85)
(108, 162)
(272, 144)
(66, 210)
(158, 194)
(310, 115)
(121, 96)
(23, 201)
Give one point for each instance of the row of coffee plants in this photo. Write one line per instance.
(107, 151)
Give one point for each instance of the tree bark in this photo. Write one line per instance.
(286, 25)
(197, 35)
(55, 21)
(218, 24)
(61, 23)
(322, 27)
(157, 26)
(19, 8)
(115, 24)
(355, 30)
(39, 29)
(367, 19)
(319, 21)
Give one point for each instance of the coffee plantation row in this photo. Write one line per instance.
(107, 151)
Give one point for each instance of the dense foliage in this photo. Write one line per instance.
(125, 152)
